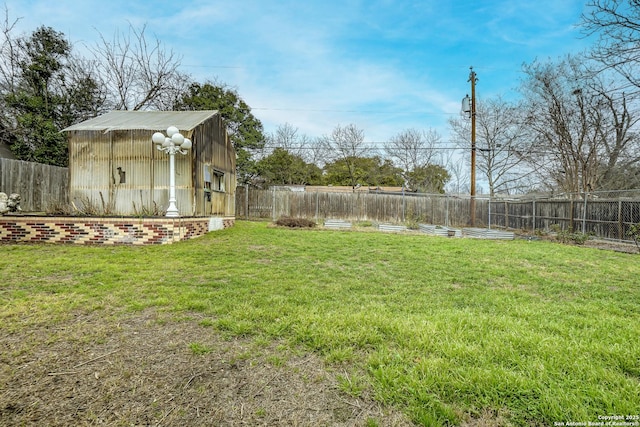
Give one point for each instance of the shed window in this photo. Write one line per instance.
(218, 180)
(213, 179)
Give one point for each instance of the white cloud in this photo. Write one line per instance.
(383, 65)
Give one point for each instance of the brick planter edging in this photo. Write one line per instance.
(103, 231)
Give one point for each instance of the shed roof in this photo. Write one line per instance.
(144, 120)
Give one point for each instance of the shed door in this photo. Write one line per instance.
(207, 189)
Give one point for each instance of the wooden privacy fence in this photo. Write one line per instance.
(358, 206)
(603, 218)
(40, 186)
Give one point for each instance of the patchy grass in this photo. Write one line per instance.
(199, 348)
(448, 330)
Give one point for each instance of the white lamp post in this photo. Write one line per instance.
(173, 143)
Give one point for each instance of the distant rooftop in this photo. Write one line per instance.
(349, 189)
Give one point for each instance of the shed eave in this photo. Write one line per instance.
(143, 120)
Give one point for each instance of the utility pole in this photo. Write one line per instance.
(473, 79)
(469, 107)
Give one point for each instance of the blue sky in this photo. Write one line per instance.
(383, 65)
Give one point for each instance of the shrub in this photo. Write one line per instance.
(59, 208)
(412, 224)
(569, 236)
(634, 232)
(295, 222)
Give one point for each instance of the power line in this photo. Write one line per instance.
(319, 110)
(441, 148)
(235, 67)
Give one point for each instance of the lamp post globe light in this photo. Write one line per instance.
(171, 144)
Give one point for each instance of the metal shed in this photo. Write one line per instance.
(116, 169)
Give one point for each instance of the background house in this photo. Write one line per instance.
(115, 168)
(5, 149)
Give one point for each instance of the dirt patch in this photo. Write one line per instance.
(608, 245)
(612, 246)
(487, 418)
(142, 369)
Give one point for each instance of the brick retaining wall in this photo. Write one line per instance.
(103, 231)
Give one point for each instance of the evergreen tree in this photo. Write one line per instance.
(243, 128)
(282, 168)
(366, 171)
(42, 96)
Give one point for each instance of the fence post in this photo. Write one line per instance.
(506, 214)
(533, 214)
(317, 204)
(246, 199)
(273, 204)
(620, 224)
(403, 207)
(571, 213)
(446, 210)
(584, 213)
(489, 219)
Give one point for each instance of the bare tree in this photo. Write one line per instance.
(345, 144)
(617, 24)
(500, 136)
(620, 142)
(285, 137)
(9, 71)
(412, 149)
(581, 127)
(416, 153)
(139, 74)
(86, 93)
(288, 138)
(458, 169)
(9, 68)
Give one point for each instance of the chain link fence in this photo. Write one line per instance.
(606, 215)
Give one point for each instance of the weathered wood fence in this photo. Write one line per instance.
(604, 218)
(40, 186)
(358, 206)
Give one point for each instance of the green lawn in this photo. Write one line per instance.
(444, 329)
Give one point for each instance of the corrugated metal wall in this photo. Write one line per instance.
(219, 156)
(89, 169)
(122, 173)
